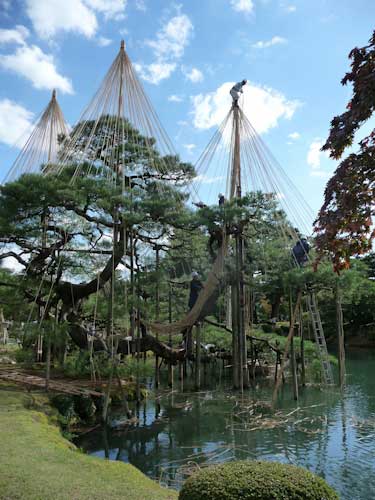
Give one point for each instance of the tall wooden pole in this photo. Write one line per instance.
(157, 299)
(340, 334)
(302, 349)
(198, 357)
(241, 378)
(286, 349)
(293, 365)
(170, 366)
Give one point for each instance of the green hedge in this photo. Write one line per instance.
(256, 481)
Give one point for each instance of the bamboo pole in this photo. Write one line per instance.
(293, 367)
(170, 366)
(340, 335)
(138, 337)
(198, 356)
(4, 327)
(157, 298)
(235, 354)
(302, 347)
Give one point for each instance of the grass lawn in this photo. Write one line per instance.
(36, 462)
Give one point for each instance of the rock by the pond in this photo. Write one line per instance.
(6, 360)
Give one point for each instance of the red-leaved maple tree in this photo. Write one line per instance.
(344, 224)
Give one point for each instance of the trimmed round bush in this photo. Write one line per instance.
(250, 480)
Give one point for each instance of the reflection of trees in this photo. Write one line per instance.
(193, 427)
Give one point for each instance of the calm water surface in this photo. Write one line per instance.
(329, 433)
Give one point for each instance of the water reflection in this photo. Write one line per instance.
(330, 433)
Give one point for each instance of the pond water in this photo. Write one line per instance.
(328, 432)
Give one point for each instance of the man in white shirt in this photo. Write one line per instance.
(236, 90)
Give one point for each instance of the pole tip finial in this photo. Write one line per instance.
(122, 45)
(53, 93)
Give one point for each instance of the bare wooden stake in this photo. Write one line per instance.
(340, 335)
(198, 357)
(286, 350)
(293, 368)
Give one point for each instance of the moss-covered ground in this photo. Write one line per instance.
(36, 462)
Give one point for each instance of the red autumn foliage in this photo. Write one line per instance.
(343, 226)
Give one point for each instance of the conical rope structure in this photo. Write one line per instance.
(42, 147)
(259, 170)
(239, 156)
(119, 134)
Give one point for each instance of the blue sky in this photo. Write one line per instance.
(293, 52)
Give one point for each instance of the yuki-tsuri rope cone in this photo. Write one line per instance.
(119, 114)
(42, 147)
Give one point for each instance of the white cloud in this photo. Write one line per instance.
(155, 72)
(288, 7)
(168, 47)
(38, 67)
(15, 122)
(322, 174)
(314, 153)
(172, 39)
(194, 75)
(111, 9)
(182, 123)
(190, 147)
(294, 136)
(140, 5)
(52, 16)
(246, 6)
(104, 42)
(17, 35)
(314, 157)
(263, 106)
(206, 179)
(175, 98)
(275, 40)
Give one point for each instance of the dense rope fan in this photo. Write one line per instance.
(119, 133)
(41, 148)
(255, 169)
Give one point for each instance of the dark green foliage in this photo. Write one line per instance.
(267, 328)
(73, 409)
(63, 403)
(84, 407)
(250, 480)
(25, 356)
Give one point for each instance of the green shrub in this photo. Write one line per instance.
(251, 480)
(78, 364)
(267, 328)
(73, 409)
(84, 407)
(25, 356)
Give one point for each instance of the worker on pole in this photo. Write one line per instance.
(236, 90)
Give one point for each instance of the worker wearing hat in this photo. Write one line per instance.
(195, 288)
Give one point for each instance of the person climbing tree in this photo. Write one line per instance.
(215, 241)
(195, 288)
(300, 251)
(236, 90)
